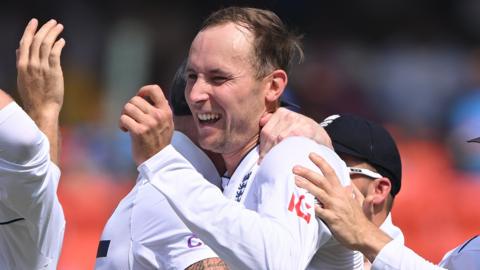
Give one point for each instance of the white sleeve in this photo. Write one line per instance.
(29, 180)
(20, 138)
(396, 256)
(281, 234)
(200, 161)
(465, 256)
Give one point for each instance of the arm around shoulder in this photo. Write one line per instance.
(396, 256)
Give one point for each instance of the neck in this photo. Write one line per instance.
(379, 218)
(233, 159)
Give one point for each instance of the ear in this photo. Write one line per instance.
(381, 189)
(276, 83)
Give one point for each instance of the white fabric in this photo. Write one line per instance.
(396, 256)
(274, 226)
(145, 233)
(465, 256)
(31, 217)
(393, 231)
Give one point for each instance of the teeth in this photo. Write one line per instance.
(208, 116)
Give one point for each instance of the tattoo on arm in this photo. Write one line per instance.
(208, 264)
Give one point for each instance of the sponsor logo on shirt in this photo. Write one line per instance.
(299, 207)
(193, 241)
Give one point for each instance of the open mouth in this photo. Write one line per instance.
(208, 118)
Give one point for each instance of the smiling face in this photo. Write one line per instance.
(222, 91)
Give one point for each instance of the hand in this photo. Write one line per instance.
(149, 120)
(40, 78)
(285, 123)
(341, 209)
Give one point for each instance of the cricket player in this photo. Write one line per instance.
(138, 234)
(32, 223)
(144, 232)
(236, 72)
(347, 220)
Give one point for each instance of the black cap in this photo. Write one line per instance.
(366, 140)
(177, 92)
(477, 140)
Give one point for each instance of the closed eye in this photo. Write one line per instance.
(218, 80)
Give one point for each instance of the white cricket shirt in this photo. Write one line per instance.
(465, 256)
(396, 256)
(145, 233)
(32, 223)
(393, 231)
(264, 221)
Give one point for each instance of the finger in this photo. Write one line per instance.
(142, 104)
(357, 194)
(56, 52)
(48, 43)
(264, 147)
(38, 40)
(324, 214)
(155, 93)
(25, 42)
(127, 124)
(268, 136)
(264, 119)
(135, 113)
(326, 169)
(368, 207)
(313, 177)
(121, 125)
(316, 191)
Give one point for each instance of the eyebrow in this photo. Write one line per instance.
(214, 71)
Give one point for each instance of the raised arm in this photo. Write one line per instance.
(341, 209)
(40, 78)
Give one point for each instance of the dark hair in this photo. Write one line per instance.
(275, 47)
(176, 95)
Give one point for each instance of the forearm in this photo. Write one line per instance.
(47, 120)
(371, 241)
(241, 237)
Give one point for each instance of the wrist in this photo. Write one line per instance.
(44, 113)
(371, 241)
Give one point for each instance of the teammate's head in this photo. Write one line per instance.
(176, 96)
(182, 117)
(371, 154)
(236, 72)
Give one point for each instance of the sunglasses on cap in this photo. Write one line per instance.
(365, 172)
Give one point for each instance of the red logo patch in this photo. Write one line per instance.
(297, 205)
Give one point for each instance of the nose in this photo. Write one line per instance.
(197, 91)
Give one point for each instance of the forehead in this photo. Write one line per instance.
(226, 46)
